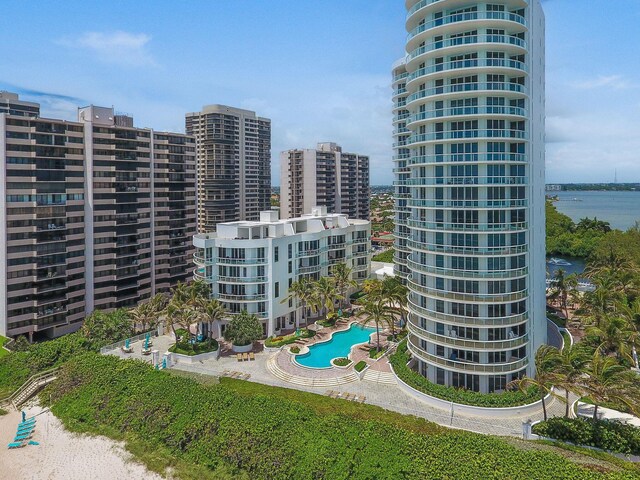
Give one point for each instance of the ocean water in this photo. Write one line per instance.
(620, 209)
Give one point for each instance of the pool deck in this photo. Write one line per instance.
(377, 384)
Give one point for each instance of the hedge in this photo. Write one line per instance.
(360, 366)
(607, 435)
(515, 398)
(341, 362)
(185, 348)
(259, 432)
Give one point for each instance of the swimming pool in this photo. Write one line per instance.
(321, 354)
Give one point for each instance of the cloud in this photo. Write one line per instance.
(121, 48)
(617, 82)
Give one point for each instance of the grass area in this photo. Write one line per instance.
(244, 430)
(3, 412)
(3, 352)
(360, 366)
(341, 362)
(386, 256)
(561, 322)
(375, 354)
(566, 340)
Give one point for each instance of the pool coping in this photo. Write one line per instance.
(293, 357)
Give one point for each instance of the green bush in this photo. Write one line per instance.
(360, 366)
(243, 329)
(386, 256)
(341, 362)
(263, 432)
(186, 348)
(607, 435)
(451, 394)
(276, 342)
(374, 353)
(295, 349)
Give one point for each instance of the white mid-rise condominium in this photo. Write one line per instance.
(233, 155)
(251, 265)
(324, 176)
(469, 162)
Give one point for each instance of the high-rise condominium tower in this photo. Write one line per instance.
(469, 127)
(93, 216)
(233, 155)
(326, 176)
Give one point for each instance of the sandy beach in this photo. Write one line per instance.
(63, 455)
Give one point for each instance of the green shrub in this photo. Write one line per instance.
(360, 366)
(262, 432)
(3, 412)
(341, 362)
(243, 329)
(295, 349)
(386, 256)
(186, 348)
(276, 342)
(607, 435)
(451, 394)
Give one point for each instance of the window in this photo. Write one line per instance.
(275, 253)
(277, 289)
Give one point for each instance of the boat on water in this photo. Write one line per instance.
(558, 261)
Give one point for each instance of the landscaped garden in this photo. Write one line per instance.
(247, 430)
(280, 341)
(3, 351)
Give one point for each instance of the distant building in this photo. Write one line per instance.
(251, 265)
(11, 104)
(326, 176)
(233, 164)
(553, 188)
(93, 215)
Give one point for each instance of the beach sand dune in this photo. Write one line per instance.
(63, 455)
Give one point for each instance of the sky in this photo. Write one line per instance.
(319, 69)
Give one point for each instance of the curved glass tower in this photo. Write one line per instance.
(469, 165)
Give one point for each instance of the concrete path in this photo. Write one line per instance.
(385, 395)
(586, 410)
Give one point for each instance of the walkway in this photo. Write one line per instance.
(586, 410)
(388, 396)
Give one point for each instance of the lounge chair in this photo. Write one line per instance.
(239, 357)
(245, 357)
(252, 356)
(23, 430)
(146, 351)
(362, 398)
(17, 444)
(21, 438)
(26, 424)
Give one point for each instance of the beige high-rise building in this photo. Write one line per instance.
(93, 216)
(233, 148)
(326, 177)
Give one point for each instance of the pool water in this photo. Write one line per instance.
(321, 354)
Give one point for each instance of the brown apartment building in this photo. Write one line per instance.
(326, 177)
(233, 149)
(96, 214)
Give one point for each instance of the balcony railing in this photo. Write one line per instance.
(468, 297)
(515, 365)
(468, 227)
(459, 17)
(479, 275)
(472, 63)
(462, 134)
(467, 40)
(466, 250)
(508, 321)
(468, 87)
(432, 203)
(463, 111)
(468, 158)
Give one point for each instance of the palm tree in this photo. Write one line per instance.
(210, 311)
(601, 301)
(617, 335)
(325, 294)
(631, 312)
(561, 286)
(377, 312)
(141, 315)
(547, 361)
(302, 292)
(608, 381)
(395, 295)
(573, 361)
(177, 305)
(343, 281)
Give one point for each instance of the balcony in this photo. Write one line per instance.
(465, 250)
(515, 365)
(484, 63)
(468, 227)
(475, 158)
(464, 88)
(478, 275)
(468, 40)
(481, 345)
(458, 17)
(419, 203)
(465, 297)
(241, 298)
(465, 111)
(465, 134)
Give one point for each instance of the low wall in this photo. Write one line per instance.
(180, 358)
(502, 412)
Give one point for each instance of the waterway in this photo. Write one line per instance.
(620, 209)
